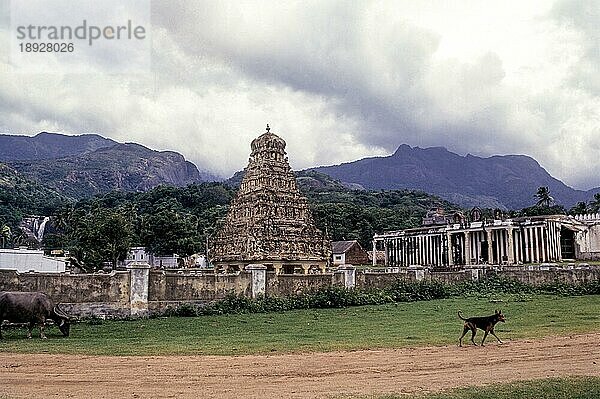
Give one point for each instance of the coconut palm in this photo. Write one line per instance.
(543, 197)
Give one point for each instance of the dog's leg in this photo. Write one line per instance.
(484, 337)
(465, 331)
(492, 331)
(473, 332)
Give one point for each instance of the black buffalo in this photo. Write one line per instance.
(33, 308)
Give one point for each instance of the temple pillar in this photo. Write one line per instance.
(429, 250)
(544, 246)
(526, 256)
(305, 268)
(467, 248)
(557, 230)
(385, 250)
(450, 250)
(536, 244)
(552, 230)
(510, 254)
(557, 242)
(490, 257)
(374, 253)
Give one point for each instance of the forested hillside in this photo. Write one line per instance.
(500, 181)
(170, 220)
(180, 220)
(20, 196)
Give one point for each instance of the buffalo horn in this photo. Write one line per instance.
(60, 312)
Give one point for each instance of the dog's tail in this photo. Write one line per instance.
(460, 316)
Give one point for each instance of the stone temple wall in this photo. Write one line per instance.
(139, 292)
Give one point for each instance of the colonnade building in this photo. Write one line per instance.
(446, 242)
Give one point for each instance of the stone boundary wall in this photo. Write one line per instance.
(289, 284)
(170, 289)
(79, 294)
(537, 277)
(140, 291)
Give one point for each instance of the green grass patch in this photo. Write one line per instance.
(353, 328)
(552, 388)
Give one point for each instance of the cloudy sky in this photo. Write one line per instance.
(338, 80)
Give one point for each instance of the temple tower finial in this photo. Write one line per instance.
(268, 128)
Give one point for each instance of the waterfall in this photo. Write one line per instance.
(40, 231)
(34, 226)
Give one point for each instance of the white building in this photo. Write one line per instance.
(139, 254)
(588, 239)
(26, 260)
(535, 239)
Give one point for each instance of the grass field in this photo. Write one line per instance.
(395, 325)
(553, 388)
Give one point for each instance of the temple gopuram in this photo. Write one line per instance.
(269, 222)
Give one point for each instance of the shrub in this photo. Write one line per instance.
(399, 291)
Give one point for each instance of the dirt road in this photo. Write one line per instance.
(313, 375)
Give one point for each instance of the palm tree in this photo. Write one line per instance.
(543, 196)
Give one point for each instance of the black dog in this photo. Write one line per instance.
(486, 324)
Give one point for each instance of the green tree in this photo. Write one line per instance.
(543, 197)
(594, 205)
(101, 235)
(580, 208)
(5, 235)
(541, 210)
(169, 229)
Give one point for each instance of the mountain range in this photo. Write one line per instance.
(48, 146)
(88, 164)
(81, 166)
(500, 181)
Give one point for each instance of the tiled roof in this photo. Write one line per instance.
(340, 247)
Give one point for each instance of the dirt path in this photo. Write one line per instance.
(314, 375)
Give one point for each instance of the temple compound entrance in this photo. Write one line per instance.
(444, 242)
(268, 221)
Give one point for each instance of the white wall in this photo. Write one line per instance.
(24, 260)
(339, 259)
(589, 240)
(168, 262)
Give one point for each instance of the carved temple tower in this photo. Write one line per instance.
(269, 222)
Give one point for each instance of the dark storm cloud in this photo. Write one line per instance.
(372, 69)
(339, 81)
